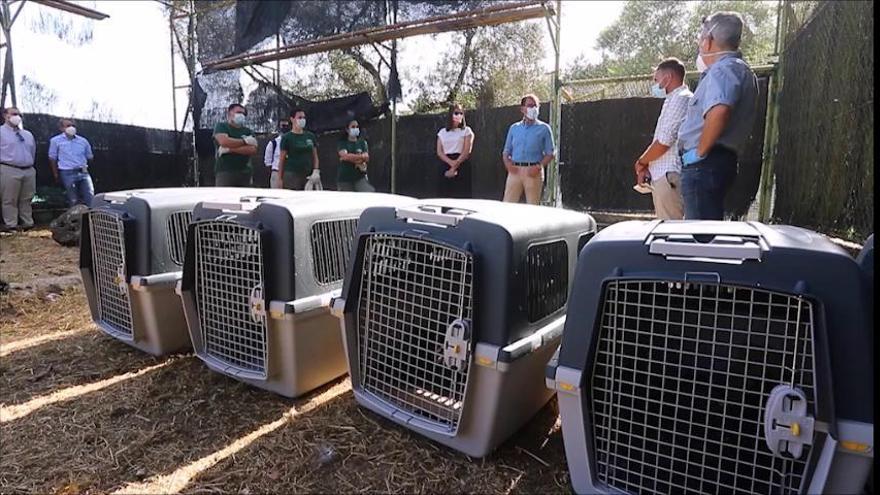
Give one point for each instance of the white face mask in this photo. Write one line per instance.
(70, 131)
(354, 132)
(15, 120)
(301, 123)
(239, 118)
(532, 113)
(657, 91)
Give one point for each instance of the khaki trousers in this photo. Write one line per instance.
(522, 181)
(17, 188)
(668, 203)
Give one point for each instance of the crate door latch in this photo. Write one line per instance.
(456, 346)
(787, 428)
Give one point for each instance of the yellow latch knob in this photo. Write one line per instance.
(796, 429)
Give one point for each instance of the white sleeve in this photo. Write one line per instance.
(268, 155)
(440, 132)
(468, 131)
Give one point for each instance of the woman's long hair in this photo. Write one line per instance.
(451, 125)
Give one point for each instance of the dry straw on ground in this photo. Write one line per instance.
(102, 417)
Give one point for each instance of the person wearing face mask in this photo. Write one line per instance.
(351, 174)
(454, 145)
(527, 150)
(18, 179)
(660, 164)
(299, 154)
(718, 120)
(235, 146)
(69, 155)
(273, 150)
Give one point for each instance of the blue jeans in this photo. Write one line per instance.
(78, 186)
(705, 183)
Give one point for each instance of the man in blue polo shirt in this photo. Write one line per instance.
(527, 150)
(69, 157)
(719, 118)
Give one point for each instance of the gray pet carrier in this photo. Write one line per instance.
(716, 357)
(131, 256)
(257, 284)
(452, 308)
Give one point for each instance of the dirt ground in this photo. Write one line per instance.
(81, 412)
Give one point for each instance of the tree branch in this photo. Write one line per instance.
(467, 55)
(371, 69)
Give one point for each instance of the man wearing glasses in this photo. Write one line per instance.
(18, 179)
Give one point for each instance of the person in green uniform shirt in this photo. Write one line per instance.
(235, 145)
(353, 157)
(299, 153)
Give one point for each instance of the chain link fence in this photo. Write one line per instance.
(824, 156)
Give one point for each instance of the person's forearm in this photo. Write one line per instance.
(231, 143)
(246, 150)
(654, 151)
(713, 125)
(547, 159)
(53, 164)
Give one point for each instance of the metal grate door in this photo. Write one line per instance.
(229, 294)
(108, 263)
(680, 379)
(331, 249)
(175, 234)
(546, 278)
(412, 290)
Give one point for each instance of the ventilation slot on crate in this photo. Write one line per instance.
(108, 262)
(412, 291)
(546, 278)
(175, 235)
(229, 294)
(331, 249)
(680, 379)
(584, 239)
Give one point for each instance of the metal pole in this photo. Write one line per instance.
(192, 85)
(771, 130)
(553, 192)
(173, 73)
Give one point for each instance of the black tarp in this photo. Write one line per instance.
(256, 21)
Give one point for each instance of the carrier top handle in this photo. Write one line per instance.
(437, 215)
(719, 247)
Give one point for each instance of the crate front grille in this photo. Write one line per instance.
(331, 249)
(679, 383)
(411, 291)
(546, 278)
(175, 234)
(108, 263)
(229, 282)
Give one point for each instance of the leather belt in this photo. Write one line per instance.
(16, 166)
(524, 164)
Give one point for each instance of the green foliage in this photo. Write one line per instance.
(504, 63)
(648, 31)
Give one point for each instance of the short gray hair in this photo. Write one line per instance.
(726, 28)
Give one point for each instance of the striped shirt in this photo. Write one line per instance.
(671, 116)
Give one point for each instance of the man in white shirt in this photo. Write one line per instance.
(273, 149)
(660, 162)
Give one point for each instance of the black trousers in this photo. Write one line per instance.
(455, 187)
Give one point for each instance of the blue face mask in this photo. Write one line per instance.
(657, 91)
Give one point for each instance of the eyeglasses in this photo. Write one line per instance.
(457, 113)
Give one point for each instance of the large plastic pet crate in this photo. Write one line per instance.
(131, 256)
(257, 284)
(716, 357)
(451, 310)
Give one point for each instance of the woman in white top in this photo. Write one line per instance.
(454, 145)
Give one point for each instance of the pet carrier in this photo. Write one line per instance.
(451, 310)
(257, 282)
(131, 256)
(716, 357)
